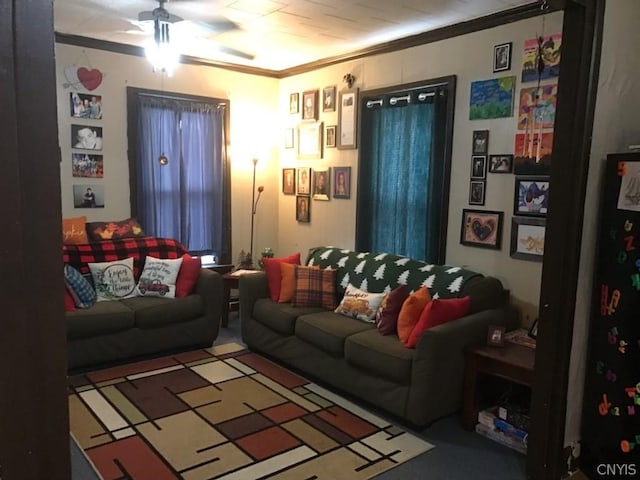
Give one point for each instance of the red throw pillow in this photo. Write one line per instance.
(272, 270)
(437, 312)
(387, 316)
(188, 275)
(69, 303)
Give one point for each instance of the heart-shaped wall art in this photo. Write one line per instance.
(90, 79)
(483, 229)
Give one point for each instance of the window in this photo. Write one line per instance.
(404, 169)
(179, 172)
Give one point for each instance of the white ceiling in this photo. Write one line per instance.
(280, 34)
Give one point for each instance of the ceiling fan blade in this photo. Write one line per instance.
(151, 16)
(235, 53)
(217, 26)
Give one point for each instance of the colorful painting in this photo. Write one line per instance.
(550, 47)
(537, 107)
(492, 98)
(533, 153)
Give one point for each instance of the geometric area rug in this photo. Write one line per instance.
(226, 413)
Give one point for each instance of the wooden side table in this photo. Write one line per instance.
(511, 362)
(229, 303)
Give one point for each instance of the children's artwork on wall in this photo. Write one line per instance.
(531, 196)
(86, 137)
(82, 77)
(88, 166)
(550, 47)
(83, 105)
(492, 98)
(88, 196)
(537, 107)
(533, 153)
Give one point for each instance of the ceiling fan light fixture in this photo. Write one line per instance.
(160, 52)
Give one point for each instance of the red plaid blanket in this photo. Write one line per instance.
(78, 256)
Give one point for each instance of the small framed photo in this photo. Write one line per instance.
(341, 182)
(502, 57)
(481, 228)
(310, 140)
(500, 163)
(303, 182)
(531, 196)
(294, 103)
(495, 335)
(288, 138)
(527, 238)
(329, 99)
(85, 105)
(87, 165)
(310, 105)
(480, 142)
(88, 196)
(348, 119)
(289, 181)
(303, 213)
(533, 331)
(330, 136)
(478, 167)
(476, 192)
(321, 184)
(86, 137)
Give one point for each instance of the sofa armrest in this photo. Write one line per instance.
(209, 287)
(251, 288)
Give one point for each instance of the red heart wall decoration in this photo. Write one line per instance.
(90, 79)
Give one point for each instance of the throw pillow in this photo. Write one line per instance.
(387, 314)
(188, 275)
(84, 296)
(273, 272)
(158, 278)
(359, 304)
(410, 312)
(113, 280)
(74, 230)
(314, 287)
(69, 303)
(288, 281)
(437, 312)
(113, 230)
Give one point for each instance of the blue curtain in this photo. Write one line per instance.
(185, 198)
(397, 191)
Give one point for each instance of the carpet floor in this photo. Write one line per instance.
(226, 413)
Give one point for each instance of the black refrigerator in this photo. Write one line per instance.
(611, 409)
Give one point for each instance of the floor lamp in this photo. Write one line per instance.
(254, 204)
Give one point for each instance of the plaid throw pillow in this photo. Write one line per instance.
(314, 287)
(82, 292)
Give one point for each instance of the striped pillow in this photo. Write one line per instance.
(314, 287)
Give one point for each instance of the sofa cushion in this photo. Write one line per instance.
(188, 275)
(113, 280)
(359, 304)
(437, 312)
(314, 287)
(114, 230)
(410, 312)
(387, 314)
(84, 296)
(328, 330)
(385, 356)
(158, 278)
(74, 230)
(280, 317)
(102, 318)
(151, 312)
(272, 270)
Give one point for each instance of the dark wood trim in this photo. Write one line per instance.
(489, 21)
(34, 443)
(577, 88)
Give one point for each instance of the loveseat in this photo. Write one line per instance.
(118, 330)
(417, 385)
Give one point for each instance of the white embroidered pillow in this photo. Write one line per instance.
(359, 304)
(113, 280)
(158, 278)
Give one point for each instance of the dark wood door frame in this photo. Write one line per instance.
(577, 87)
(34, 443)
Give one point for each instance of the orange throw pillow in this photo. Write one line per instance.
(437, 312)
(288, 282)
(410, 312)
(273, 272)
(74, 230)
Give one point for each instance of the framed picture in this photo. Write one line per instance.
(480, 142)
(527, 238)
(347, 119)
(88, 196)
(86, 165)
(303, 213)
(330, 136)
(478, 167)
(502, 57)
(288, 138)
(531, 196)
(294, 103)
(86, 137)
(310, 105)
(85, 105)
(481, 228)
(329, 99)
(495, 335)
(476, 192)
(533, 153)
(303, 182)
(289, 181)
(500, 163)
(492, 98)
(310, 140)
(321, 184)
(341, 182)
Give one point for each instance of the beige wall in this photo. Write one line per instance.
(470, 58)
(253, 132)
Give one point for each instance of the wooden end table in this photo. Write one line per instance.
(511, 362)
(229, 303)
